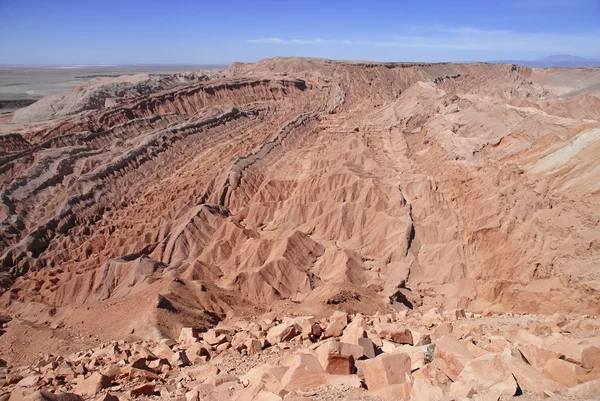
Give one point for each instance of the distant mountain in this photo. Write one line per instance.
(557, 60)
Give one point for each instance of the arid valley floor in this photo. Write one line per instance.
(304, 229)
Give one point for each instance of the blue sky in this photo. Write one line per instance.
(183, 31)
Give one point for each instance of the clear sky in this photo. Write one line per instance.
(223, 31)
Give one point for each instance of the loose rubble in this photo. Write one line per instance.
(398, 356)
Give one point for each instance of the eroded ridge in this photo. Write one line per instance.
(304, 185)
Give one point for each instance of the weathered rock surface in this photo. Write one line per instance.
(250, 216)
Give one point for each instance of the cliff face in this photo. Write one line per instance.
(308, 183)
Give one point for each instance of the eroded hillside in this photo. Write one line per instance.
(305, 185)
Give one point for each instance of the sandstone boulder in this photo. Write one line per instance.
(338, 358)
(423, 390)
(394, 333)
(385, 370)
(563, 372)
(451, 356)
(489, 373)
(537, 356)
(281, 332)
(530, 379)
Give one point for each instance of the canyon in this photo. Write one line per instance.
(133, 209)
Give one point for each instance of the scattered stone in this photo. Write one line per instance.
(93, 384)
(28, 381)
(143, 389)
(180, 358)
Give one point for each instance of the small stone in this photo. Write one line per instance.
(180, 358)
(93, 384)
(189, 335)
(143, 389)
(280, 333)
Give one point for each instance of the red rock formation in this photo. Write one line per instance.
(305, 183)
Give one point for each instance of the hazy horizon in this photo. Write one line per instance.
(183, 32)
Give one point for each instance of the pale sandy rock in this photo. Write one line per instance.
(146, 353)
(368, 347)
(354, 331)
(28, 381)
(420, 338)
(47, 396)
(335, 328)
(530, 379)
(423, 390)
(201, 373)
(197, 350)
(300, 377)
(142, 389)
(563, 372)
(179, 359)
(192, 396)
(280, 333)
(475, 350)
(219, 379)
(64, 369)
(189, 335)
(583, 353)
(460, 389)
(168, 342)
(215, 337)
(266, 395)
(454, 314)
(590, 358)
(338, 358)
(525, 337)
(253, 346)
(490, 374)
(443, 330)
(92, 385)
(393, 392)
(538, 356)
(395, 333)
(588, 389)
(417, 355)
(385, 370)
(451, 356)
(387, 347)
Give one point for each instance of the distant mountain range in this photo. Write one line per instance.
(557, 60)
